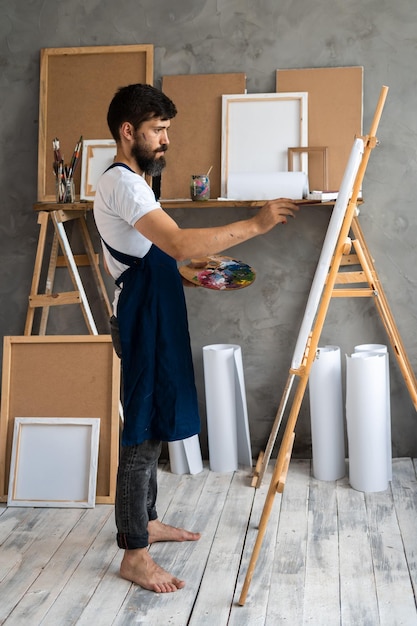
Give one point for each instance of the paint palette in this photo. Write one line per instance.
(218, 272)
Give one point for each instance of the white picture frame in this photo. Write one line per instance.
(54, 462)
(258, 129)
(97, 156)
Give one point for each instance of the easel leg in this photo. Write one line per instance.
(277, 481)
(94, 267)
(385, 312)
(264, 459)
(73, 270)
(43, 221)
(49, 283)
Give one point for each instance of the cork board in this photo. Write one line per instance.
(76, 87)
(335, 115)
(59, 376)
(195, 133)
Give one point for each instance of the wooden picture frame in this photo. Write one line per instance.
(76, 88)
(61, 376)
(246, 148)
(97, 156)
(54, 462)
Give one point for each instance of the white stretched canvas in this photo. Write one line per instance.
(54, 462)
(97, 155)
(258, 129)
(328, 249)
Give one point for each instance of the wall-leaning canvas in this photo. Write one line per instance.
(195, 133)
(76, 87)
(54, 462)
(61, 376)
(335, 110)
(247, 148)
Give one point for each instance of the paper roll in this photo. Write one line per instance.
(267, 186)
(227, 418)
(185, 456)
(326, 414)
(366, 421)
(381, 349)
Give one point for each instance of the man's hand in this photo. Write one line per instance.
(274, 212)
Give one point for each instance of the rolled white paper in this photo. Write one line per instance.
(366, 421)
(185, 456)
(227, 418)
(267, 186)
(381, 349)
(326, 414)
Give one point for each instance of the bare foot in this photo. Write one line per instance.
(138, 567)
(158, 531)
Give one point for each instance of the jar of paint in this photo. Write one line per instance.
(200, 187)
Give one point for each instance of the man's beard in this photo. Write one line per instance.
(147, 160)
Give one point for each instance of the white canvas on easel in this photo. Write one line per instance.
(328, 248)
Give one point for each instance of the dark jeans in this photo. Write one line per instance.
(136, 488)
(136, 493)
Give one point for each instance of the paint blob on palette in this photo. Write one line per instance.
(218, 272)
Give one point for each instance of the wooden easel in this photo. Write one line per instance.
(58, 217)
(368, 275)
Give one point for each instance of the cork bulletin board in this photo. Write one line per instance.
(335, 112)
(76, 87)
(195, 132)
(62, 376)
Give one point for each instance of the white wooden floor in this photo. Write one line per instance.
(331, 556)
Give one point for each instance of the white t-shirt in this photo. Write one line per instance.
(122, 198)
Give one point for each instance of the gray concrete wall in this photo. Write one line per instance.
(257, 37)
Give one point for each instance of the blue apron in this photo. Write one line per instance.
(159, 394)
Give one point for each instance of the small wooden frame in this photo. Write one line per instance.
(76, 87)
(323, 150)
(54, 462)
(60, 376)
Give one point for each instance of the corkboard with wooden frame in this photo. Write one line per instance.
(76, 87)
(62, 376)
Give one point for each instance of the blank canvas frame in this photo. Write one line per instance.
(247, 148)
(97, 156)
(61, 376)
(54, 462)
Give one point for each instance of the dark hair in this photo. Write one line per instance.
(136, 104)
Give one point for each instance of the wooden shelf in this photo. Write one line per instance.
(172, 204)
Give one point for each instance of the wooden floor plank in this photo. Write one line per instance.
(321, 593)
(10, 519)
(30, 549)
(286, 598)
(219, 581)
(50, 583)
(404, 490)
(394, 590)
(255, 608)
(358, 597)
